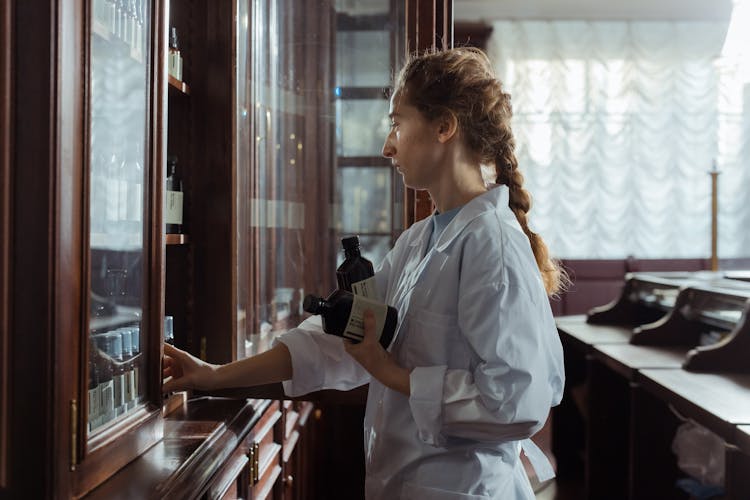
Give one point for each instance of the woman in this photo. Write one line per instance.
(476, 363)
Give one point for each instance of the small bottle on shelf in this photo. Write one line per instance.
(173, 199)
(127, 357)
(343, 315)
(114, 350)
(356, 273)
(175, 58)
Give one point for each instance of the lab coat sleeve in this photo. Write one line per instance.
(519, 375)
(319, 361)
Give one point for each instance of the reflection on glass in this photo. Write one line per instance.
(375, 248)
(363, 59)
(118, 79)
(361, 126)
(315, 72)
(364, 200)
(362, 7)
(243, 159)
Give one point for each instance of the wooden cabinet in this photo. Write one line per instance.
(89, 117)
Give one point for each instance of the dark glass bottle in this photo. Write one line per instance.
(343, 315)
(174, 198)
(355, 273)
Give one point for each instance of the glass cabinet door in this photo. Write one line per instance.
(118, 121)
(311, 121)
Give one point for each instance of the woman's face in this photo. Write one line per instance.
(412, 144)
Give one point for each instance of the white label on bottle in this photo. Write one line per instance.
(119, 381)
(365, 288)
(95, 398)
(355, 326)
(130, 387)
(108, 400)
(173, 208)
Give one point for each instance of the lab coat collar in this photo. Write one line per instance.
(495, 199)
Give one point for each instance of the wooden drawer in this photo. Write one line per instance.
(225, 483)
(264, 454)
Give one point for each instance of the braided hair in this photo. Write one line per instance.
(461, 82)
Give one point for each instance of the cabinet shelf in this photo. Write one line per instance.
(179, 85)
(176, 239)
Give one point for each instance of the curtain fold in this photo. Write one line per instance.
(617, 125)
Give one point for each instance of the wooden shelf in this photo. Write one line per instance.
(176, 239)
(179, 85)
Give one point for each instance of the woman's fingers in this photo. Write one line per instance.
(173, 352)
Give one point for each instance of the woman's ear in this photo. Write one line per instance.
(447, 127)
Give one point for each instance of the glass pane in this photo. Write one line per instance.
(364, 197)
(375, 248)
(363, 7)
(363, 59)
(301, 127)
(119, 80)
(243, 158)
(361, 126)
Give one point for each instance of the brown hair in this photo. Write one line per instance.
(461, 82)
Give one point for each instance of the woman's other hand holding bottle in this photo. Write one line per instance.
(376, 360)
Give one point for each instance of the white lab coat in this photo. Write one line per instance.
(476, 331)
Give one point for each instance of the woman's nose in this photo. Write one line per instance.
(388, 150)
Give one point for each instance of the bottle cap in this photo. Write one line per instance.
(350, 243)
(135, 333)
(312, 304)
(127, 341)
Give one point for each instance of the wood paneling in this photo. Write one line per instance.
(33, 249)
(6, 110)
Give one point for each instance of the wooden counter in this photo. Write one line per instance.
(206, 452)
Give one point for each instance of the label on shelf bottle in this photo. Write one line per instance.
(173, 207)
(95, 398)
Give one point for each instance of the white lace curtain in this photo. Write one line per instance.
(617, 125)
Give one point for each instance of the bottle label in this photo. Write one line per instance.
(130, 387)
(173, 207)
(365, 288)
(95, 398)
(108, 400)
(119, 392)
(355, 326)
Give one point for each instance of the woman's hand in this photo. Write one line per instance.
(376, 360)
(187, 371)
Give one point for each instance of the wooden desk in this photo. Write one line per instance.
(627, 359)
(569, 421)
(611, 372)
(718, 402)
(576, 333)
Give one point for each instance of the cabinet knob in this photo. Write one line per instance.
(289, 480)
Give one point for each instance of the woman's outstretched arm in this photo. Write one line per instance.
(189, 372)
